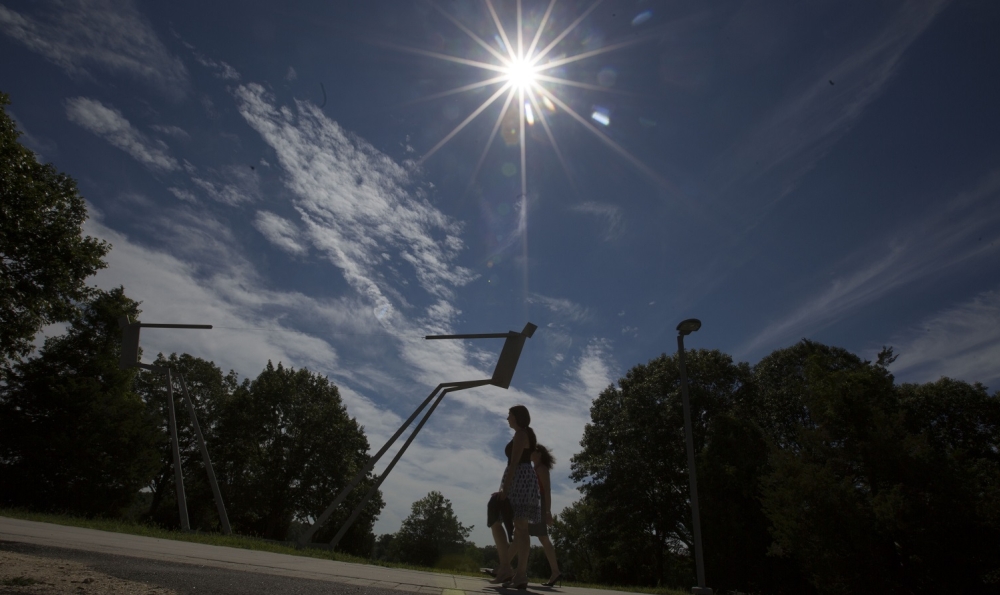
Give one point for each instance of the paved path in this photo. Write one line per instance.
(234, 559)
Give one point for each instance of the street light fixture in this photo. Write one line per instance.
(687, 327)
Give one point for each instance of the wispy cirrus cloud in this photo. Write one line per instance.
(170, 130)
(280, 232)
(609, 214)
(814, 115)
(80, 34)
(230, 185)
(963, 230)
(960, 342)
(222, 70)
(112, 126)
(355, 202)
(561, 307)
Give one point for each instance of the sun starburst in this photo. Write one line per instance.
(527, 84)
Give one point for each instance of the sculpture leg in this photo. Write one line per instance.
(357, 510)
(223, 517)
(308, 535)
(178, 473)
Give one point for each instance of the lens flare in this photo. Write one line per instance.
(601, 115)
(529, 76)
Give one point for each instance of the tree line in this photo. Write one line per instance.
(818, 473)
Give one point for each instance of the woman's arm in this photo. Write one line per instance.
(520, 443)
(543, 479)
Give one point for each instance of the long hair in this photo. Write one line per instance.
(523, 419)
(547, 460)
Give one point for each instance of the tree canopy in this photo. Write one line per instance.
(429, 533)
(74, 435)
(817, 474)
(633, 468)
(44, 257)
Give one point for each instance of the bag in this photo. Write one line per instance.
(500, 508)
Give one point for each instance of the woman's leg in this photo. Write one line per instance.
(500, 538)
(511, 554)
(522, 542)
(550, 553)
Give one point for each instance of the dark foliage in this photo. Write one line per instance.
(74, 436)
(817, 474)
(44, 257)
(287, 447)
(429, 535)
(634, 522)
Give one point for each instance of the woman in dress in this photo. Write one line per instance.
(543, 461)
(520, 488)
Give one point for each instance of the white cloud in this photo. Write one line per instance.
(937, 243)
(113, 36)
(170, 130)
(182, 194)
(801, 129)
(111, 125)
(222, 70)
(960, 342)
(231, 185)
(561, 307)
(291, 75)
(354, 200)
(280, 232)
(610, 214)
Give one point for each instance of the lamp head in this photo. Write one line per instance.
(686, 327)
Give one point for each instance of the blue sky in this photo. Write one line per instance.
(828, 170)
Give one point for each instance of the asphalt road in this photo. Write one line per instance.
(192, 578)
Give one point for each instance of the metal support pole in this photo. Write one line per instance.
(178, 473)
(502, 375)
(223, 517)
(308, 535)
(692, 477)
(357, 510)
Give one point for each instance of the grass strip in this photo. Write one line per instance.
(255, 543)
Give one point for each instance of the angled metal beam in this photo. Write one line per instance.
(480, 336)
(178, 473)
(219, 504)
(371, 491)
(502, 375)
(130, 359)
(323, 518)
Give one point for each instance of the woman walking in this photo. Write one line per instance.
(543, 462)
(520, 487)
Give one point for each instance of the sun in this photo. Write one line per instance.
(528, 84)
(520, 74)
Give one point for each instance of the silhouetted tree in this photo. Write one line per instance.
(44, 258)
(430, 532)
(633, 466)
(74, 436)
(286, 446)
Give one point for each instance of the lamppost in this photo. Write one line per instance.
(687, 327)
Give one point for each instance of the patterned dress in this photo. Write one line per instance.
(524, 496)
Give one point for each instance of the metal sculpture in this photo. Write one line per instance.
(502, 375)
(130, 359)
